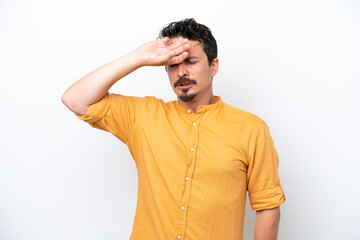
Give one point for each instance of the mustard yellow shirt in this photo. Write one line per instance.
(194, 169)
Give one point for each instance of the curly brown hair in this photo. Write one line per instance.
(190, 29)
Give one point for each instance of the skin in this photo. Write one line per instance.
(267, 224)
(93, 86)
(195, 67)
(184, 60)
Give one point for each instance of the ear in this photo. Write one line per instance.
(214, 67)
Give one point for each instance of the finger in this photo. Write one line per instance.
(178, 59)
(165, 40)
(178, 44)
(163, 58)
(180, 50)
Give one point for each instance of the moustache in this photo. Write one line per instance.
(183, 80)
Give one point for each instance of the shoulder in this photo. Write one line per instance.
(240, 115)
(247, 123)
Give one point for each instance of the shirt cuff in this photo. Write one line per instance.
(267, 199)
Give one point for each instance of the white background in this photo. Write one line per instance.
(296, 64)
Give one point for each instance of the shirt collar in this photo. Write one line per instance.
(202, 108)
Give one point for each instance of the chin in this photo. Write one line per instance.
(187, 97)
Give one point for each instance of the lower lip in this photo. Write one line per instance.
(185, 86)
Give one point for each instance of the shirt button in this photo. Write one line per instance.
(187, 178)
(183, 208)
(192, 149)
(194, 124)
(179, 237)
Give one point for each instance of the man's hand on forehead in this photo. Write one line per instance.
(163, 52)
(178, 49)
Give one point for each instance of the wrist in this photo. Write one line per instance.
(137, 58)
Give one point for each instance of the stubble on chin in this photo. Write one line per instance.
(186, 97)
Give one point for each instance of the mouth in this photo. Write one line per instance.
(185, 85)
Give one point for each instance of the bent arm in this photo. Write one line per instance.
(93, 86)
(267, 224)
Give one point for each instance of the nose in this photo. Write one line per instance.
(182, 70)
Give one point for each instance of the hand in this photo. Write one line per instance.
(163, 52)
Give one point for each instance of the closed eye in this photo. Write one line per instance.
(188, 61)
(173, 65)
(191, 62)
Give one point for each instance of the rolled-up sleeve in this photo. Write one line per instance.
(263, 183)
(114, 113)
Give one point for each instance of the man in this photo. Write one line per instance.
(196, 157)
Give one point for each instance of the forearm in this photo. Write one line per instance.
(93, 86)
(267, 224)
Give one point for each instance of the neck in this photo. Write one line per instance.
(193, 104)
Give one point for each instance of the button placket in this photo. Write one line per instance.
(185, 200)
